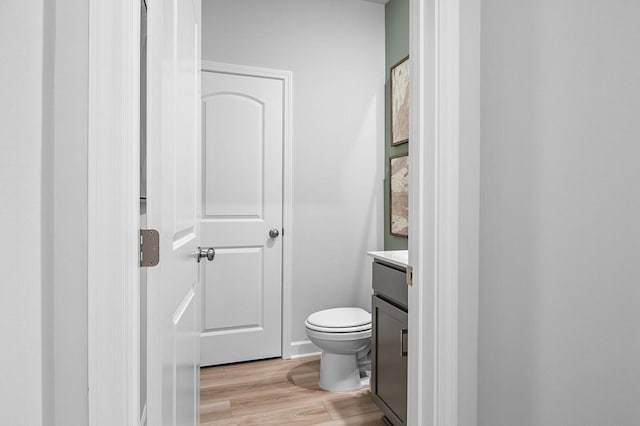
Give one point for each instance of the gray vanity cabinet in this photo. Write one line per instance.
(389, 342)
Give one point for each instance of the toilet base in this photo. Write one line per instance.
(340, 372)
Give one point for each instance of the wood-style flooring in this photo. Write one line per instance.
(279, 392)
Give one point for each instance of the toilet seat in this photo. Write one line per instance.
(339, 320)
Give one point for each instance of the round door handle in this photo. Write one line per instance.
(274, 233)
(206, 253)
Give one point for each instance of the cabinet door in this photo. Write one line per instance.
(389, 360)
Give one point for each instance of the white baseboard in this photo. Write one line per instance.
(303, 349)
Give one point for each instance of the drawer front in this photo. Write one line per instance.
(391, 284)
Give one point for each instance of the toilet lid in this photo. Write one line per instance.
(340, 318)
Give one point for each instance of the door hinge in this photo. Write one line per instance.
(149, 248)
(409, 275)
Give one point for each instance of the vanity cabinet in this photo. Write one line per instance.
(389, 341)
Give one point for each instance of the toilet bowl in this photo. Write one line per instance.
(344, 335)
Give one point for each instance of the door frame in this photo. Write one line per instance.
(287, 185)
(443, 238)
(113, 220)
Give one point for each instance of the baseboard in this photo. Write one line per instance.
(303, 349)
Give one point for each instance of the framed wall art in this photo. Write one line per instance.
(399, 195)
(400, 102)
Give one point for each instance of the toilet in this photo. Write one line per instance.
(344, 335)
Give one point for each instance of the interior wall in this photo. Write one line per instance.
(468, 213)
(47, 303)
(70, 211)
(396, 49)
(335, 50)
(559, 332)
(24, 195)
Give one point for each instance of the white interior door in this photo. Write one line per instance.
(242, 175)
(172, 199)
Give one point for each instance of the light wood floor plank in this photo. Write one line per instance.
(297, 415)
(369, 419)
(279, 392)
(357, 404)
(210, 411)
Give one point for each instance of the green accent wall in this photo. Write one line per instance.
(396, 48)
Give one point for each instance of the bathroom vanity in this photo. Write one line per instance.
(389, 307)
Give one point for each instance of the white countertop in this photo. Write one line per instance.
(396, 257)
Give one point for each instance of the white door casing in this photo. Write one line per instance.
(113, 216)
(172, 208)
(443, 236)
(243, 141)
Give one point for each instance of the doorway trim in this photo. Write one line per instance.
(113, 149)
(287, 185)
(443, 240)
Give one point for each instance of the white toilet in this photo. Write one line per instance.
(344, 335)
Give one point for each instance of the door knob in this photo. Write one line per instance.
(209, 253)
(274, 233)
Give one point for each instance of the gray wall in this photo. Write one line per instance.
(468, 214)
(335, 50)
(25, 380)
(396, 36)
(560, 213)
(70, 211)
